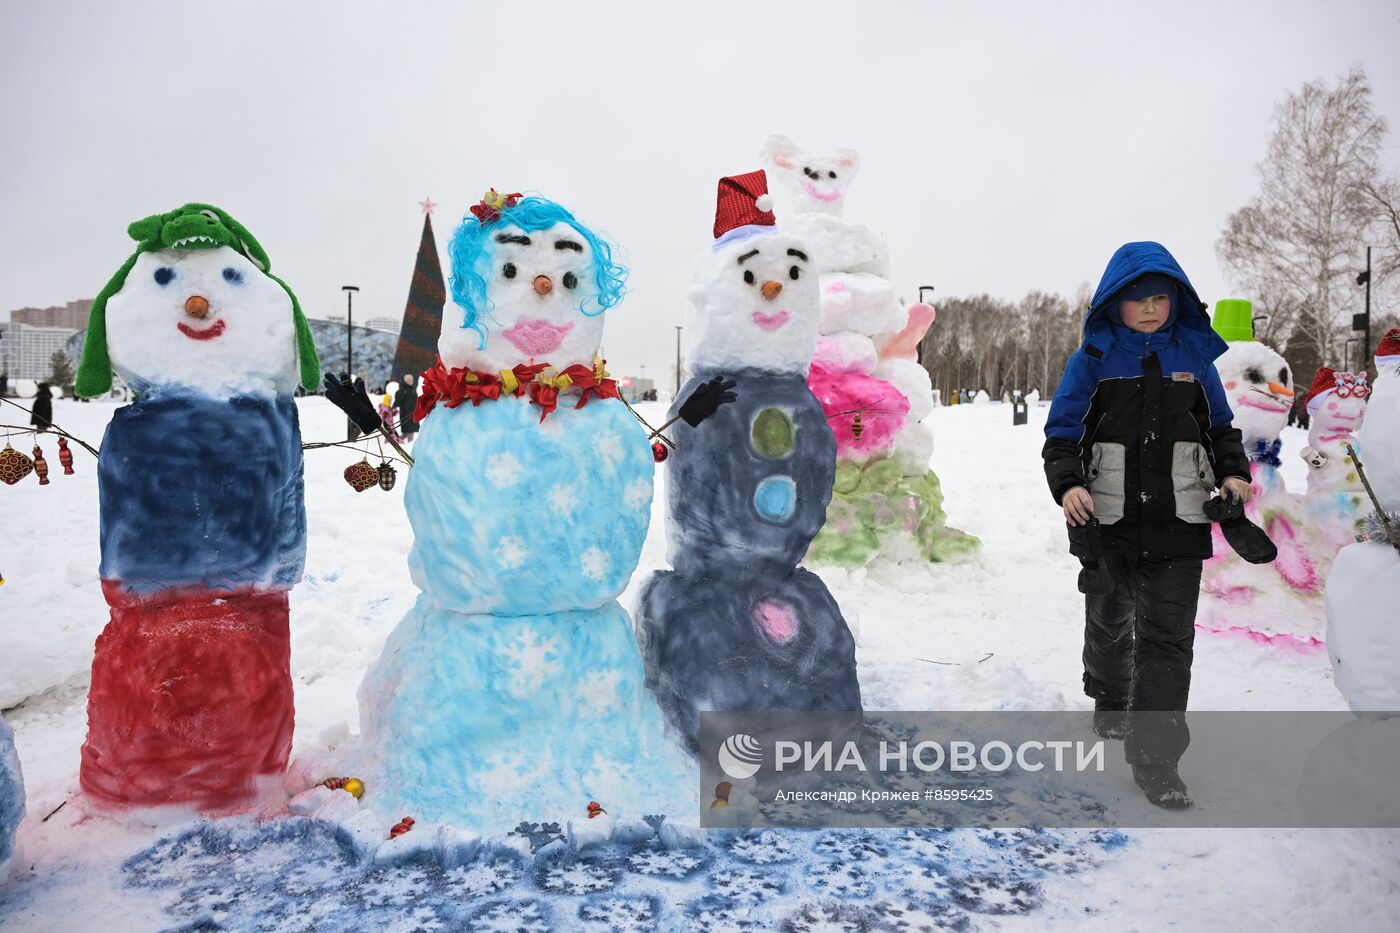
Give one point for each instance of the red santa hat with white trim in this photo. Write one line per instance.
(1388, 350)
(1328, 382)
(743, 208)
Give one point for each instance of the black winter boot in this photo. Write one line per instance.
(1163, 786)
(1110, 719)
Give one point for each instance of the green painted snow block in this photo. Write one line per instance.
(1234, 319)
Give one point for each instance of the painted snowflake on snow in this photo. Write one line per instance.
(503, 471)
(512, 917)
(598, 692)
(619, 914)
(745, 886)
(532, 658)
(510, 553)
(563, 501)
(840, 879)
(481, 877)
(664, 863)
(576, 878)
(765, 848)
(608, 447)
(594, 563)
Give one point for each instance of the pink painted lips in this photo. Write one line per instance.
(770, 321)
(537, 337)
(813, 191)
(206, 333)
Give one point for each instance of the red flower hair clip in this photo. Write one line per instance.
(488, 210)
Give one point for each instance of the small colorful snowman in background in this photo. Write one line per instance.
(736, 625)
(11, 798)
(203, 519)
(1276, 601)
(513, 689)
(1336, 405)
(1363, 590)
(865, 372)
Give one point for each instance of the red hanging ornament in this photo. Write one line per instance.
(595, 809)
(14, 466)
(41, 466)
(658, 452)
(361, 475)
(387, 476)
(65, 456)
(401, 827)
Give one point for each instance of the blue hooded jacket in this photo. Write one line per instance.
(1132, 408)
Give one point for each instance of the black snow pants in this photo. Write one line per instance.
(1138, 647)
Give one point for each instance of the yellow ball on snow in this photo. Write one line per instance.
(356, 787)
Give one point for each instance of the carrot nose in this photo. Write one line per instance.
(772, 290)
(543, 285)
(197, 306)
(1279, 388)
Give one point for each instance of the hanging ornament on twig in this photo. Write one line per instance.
(361, 475)
(14, 466)
(857, 426)
(387, 476)
(41, 466)
(658, 452)
(65, 456)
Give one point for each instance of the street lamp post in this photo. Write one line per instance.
(919, 347)
(352, 430)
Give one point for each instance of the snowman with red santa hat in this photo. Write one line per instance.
(1335, 498)
(737, 625)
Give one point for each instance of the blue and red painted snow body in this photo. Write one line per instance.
(203, 535)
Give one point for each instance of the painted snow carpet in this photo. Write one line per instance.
(301, 875)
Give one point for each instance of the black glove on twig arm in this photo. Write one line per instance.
(1094, 579)
(1249, 540)
(354, 401)
(705, 401)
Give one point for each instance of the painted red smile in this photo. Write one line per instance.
(770, 321)
(208, 333)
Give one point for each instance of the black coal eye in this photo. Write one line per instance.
(233, 276)
(748, 276)
(1254, 375)
(806, 170)
(794, 273)
(163, 275)
(831, 174)
(508, 270)
(570, 280)
(1283, 375)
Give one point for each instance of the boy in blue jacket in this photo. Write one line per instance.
(1138, 438)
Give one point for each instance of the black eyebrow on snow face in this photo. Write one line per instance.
(749, 255)
(798, 253)
(569, 244)
(512, 238)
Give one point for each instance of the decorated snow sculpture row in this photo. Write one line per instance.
(886, 498)
(203, 522)
(737, 625)
(1280, 602)
(514, 685)
(1363, 589)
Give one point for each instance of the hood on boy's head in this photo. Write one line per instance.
(1128, 269)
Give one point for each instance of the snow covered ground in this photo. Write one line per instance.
(1001, 631)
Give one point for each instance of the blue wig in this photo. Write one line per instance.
(472, 253)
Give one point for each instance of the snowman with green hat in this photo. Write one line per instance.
(203, 518)
(1279, 601)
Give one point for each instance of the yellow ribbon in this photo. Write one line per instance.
(508, 381)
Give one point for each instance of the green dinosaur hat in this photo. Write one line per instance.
(194, 226)
(1234, 319)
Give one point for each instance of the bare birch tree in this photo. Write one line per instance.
(1300, 241)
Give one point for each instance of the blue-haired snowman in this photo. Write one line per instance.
(737, 625)
(514, 687)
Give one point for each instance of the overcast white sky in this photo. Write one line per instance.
(1005, 146)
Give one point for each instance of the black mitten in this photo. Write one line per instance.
(354, 401)
(1248, 539)
(1094, 578)
(705, 401)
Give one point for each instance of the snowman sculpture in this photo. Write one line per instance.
(203, 519)
(11, 799)
(886, 498)
(1276, 602)
(513, 688)
(1335, 498)
(737, 625)
(1363, 589)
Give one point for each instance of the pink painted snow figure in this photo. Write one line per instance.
(1336, 498)
(882, 411)
(1279, 602)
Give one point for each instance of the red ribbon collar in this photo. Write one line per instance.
(540, 381)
